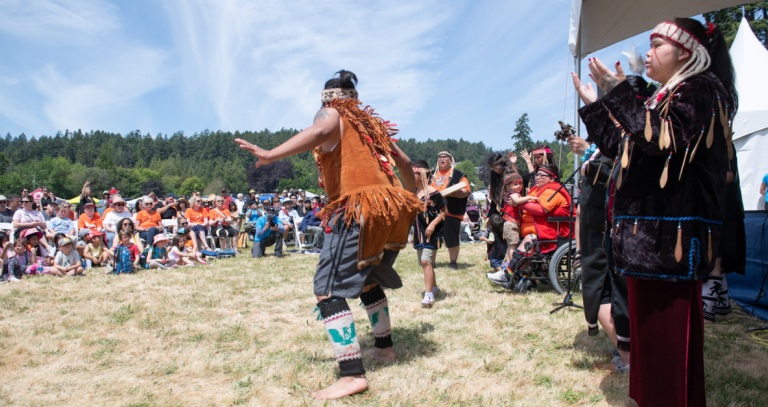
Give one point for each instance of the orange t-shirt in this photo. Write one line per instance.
(527, 226)
(440, 181)
(219, 213)
(83, 222)
(194, 216)
(146, 220)
(106, 211)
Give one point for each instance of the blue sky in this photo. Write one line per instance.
(439, 69)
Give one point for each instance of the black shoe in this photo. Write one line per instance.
(453, 266)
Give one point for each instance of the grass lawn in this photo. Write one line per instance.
(242, 332)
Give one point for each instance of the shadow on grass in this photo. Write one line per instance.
(589, 350)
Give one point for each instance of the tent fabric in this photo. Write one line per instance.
(606, 22)
(746, 289)
(750, 59)
(751, 152)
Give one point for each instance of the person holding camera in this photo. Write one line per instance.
(269, 231)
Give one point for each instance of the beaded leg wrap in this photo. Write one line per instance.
(340, 324)
(511, 269)
(710, 292)
(377, 307)
(723, 305)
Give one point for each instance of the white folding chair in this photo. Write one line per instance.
(8, 227)
(298, 235)
(169, 226)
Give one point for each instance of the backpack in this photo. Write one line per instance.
(123, 263)
(143, 257)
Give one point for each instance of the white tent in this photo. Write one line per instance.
(750, 126)
(606, 22)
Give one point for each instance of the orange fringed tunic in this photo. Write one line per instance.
(357, 176)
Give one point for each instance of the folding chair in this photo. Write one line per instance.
(298, 235)
(169, 226)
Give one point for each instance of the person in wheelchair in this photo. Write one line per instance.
(536, 224)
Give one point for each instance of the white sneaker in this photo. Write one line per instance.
(499, 277)
(13, 279)
(428, 300)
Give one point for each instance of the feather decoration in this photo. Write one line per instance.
(648, 129)
(665, 173)
(711, 132)
(618, 180)
(684, 158)
(693, 153)
(671, 134)
(625, 153)
(723, 114)
(636, 62)
(709, 249)
(634, 229)
(599, 166)
(679, 245)
(664, 135)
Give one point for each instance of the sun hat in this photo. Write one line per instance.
(32, 231)
(159, 238)
(3, 198)
(65, 241)
(253, 191)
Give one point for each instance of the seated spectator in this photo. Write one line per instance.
(198, 223)
(27, 217)
(167, 209)
(50, 211)
(47, 198)
(294, 201)
(157, 258)
(96, 253)
(24, 193)
(269, 231)
(67, 261)
(112, 218)
(304, 207)
(14, 201)
(102, 205)
(18, 260)
(237, 220)
(153, 196)
(181, 207)
(128, 225)
(227, 197)
(286, 215)
(313, 226)
(6, 215)
(89, 221)
(126, 243)
(221, 221)
(148, 222)
(60, 224)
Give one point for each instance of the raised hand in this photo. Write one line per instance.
(603, 76)
(512, 157)
(525, 155)
(260, 153)
(587, 93)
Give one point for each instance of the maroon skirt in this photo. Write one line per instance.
(667, 345)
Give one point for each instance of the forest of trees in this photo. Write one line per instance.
(136, 163)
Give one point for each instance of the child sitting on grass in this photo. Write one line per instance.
(96, 252)
(157, 256)
(67, 261)
(19, 259)
(178, 254)
(44, 262)
(497, 249)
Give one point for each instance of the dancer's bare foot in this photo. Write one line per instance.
(345, 386)
(381, 354)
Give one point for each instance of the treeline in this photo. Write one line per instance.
(136, 163)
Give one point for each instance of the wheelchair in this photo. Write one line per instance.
(550, 267)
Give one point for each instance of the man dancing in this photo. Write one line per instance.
(369, 215)
(456, 202)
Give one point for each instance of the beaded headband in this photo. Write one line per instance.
(329, 95)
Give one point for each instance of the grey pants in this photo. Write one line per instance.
(260, 246)
(318, 236)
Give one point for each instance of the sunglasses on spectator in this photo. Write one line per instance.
(119, 204)
(184, 224)
(26, 201)
(3, 202)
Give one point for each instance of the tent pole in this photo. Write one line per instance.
(576, 119)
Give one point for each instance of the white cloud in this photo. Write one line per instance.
(262, 65)
(53, 21)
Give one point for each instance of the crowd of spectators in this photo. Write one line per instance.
(61, 237)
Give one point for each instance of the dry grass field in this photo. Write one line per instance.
(242, 332)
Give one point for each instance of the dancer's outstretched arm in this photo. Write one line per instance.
(325, 126)
(403, 164)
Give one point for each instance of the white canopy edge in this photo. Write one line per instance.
(751, 152)
(606, 22)
(750, 59)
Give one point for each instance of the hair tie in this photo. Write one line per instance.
(711, 29)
